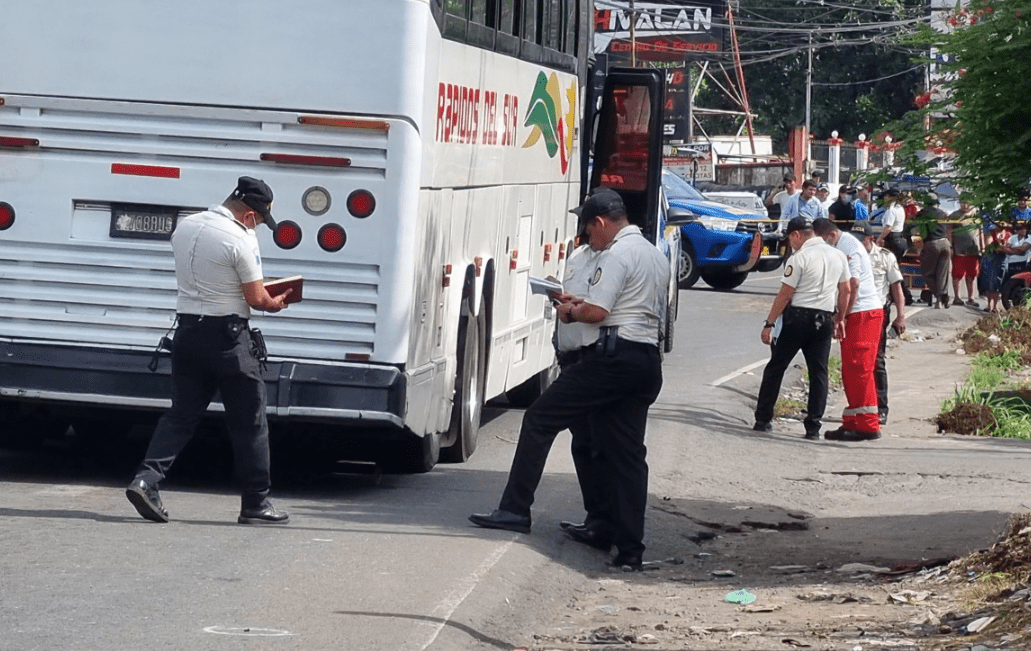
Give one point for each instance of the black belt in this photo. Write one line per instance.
(622, 345)
(197, 319)
(810, 310)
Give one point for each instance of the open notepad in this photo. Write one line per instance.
(543, 285)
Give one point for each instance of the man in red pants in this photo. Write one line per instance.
(860, 340)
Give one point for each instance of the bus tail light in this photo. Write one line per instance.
(21, 143)
(478, 261)
(547, 252)
(562, 251)
(293, 159)
(514, 262)
(361, 203)
(446, 282)
(6, 216)
(159, 171)
(287, 235)
(332, 237)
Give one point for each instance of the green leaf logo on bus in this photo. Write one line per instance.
(548, 122)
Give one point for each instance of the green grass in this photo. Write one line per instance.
(988, 374)
(833, 373)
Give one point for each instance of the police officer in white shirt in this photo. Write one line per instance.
(893, 223)
(859, 340)
(813, 298)
(219, 276)
(613, 385)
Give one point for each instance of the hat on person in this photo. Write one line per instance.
(602, 202)
(258, 195)
(823, 187)
(789, 177)
(863, 228)
(847, 189)
(890, 192)
(817, 174)
(798, 224)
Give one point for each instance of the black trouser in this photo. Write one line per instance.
(588, 461)
(897, 244)
(612, 394)
(809, 331)
(209, 354)
(880, 369)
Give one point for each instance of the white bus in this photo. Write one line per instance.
(424, 155)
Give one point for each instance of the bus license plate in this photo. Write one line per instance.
(141, 221)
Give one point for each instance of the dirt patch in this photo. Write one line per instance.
(967, 418)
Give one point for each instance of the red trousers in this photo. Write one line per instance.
(858, 357)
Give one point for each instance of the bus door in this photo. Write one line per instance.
(628, 144)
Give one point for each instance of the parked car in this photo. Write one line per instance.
(720, 244)
(749, 201)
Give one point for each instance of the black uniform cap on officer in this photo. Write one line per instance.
(258, 195)
(798, 224)
(602, 203)
(863, 229)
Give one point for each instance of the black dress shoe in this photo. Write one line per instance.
(501, 519)
(147, 501)
(264, 514)
(566, 525)
(882, 417)
(627, 562)
(855, 436)
(834, 434)
(762, 426)
(591, 538)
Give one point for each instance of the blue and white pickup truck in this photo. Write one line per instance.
(720, 244)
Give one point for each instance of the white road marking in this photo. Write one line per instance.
(246, 632)
(910, 311)
(451, 603)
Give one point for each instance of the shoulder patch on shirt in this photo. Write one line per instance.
(788, 271)
(597, 276)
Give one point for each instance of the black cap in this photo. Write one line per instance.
(863, 228)
(258, 195)
(798, 224)
(603, 201)
(847, 189)
(823, 186)
(817, 173)
(1024, 194)
(890, 192)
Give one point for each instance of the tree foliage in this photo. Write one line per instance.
(977, 124)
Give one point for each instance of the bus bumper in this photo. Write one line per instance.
(360, 394)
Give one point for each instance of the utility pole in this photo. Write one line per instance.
(633, 36)
(808, 101)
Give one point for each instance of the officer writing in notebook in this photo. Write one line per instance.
(219, 277)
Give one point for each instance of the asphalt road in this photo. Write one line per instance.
(390, 562)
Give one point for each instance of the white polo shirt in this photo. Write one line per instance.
(631, 282)
(580, 268)
(886, 271)
(859, 266)
(1017, 240)
(214, 255)
(815, 270)
(894, 218)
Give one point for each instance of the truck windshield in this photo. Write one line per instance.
(677, 188)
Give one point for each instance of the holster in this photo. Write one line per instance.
(258, 349)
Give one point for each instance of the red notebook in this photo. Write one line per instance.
(277, 287)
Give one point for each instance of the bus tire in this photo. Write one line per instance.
(670, 325)
(523, 395)
(468, 403)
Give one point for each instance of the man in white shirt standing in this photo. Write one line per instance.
(804, 204)
(781, 195)
(862, 331)
(893, 223)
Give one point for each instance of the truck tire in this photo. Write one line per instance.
(1013, 292)
(468, 403)
(688, 270)
(723, 280)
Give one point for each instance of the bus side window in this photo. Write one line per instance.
(456, 20)
(482, 19)
(532, 31)
(507, 38)
(570, 11)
